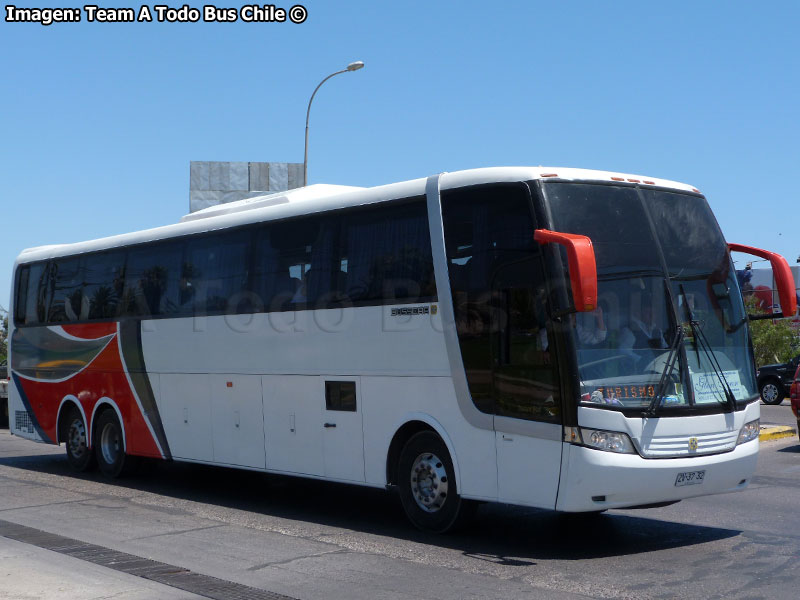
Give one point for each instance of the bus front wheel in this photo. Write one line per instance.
(427, 484)
(79, 455)
(109, 445)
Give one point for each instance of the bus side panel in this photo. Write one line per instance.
(44, 377)
(389, 402)
(352, 341)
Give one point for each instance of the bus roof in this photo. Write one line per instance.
(320, 197)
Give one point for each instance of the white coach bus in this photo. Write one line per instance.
(559, 338)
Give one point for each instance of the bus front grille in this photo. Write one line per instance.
(676, 446)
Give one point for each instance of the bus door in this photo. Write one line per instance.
(499, 303)
(525, 392)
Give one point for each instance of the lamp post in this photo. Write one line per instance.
(353, 66)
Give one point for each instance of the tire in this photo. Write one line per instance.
(772, 392)
(109, 445)
(74, 433)
(431, 504)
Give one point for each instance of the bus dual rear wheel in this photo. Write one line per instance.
(109, 445)
(427, 485)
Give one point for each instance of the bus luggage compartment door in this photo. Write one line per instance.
(237, 410)
(342, 428)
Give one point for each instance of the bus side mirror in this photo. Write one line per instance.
(782, 273)
(582, 265)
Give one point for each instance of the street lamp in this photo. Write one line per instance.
(353, 66)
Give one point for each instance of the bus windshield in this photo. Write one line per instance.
(670, 329)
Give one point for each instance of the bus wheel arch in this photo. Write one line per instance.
(414, 424)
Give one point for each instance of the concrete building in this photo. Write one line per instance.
(212, 183)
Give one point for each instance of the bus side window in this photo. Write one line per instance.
(68, 302)
(21, 295)
(152, 280)
(214, 273)
(282, 260)
(387, 255)
(104, 275)
(499, 299)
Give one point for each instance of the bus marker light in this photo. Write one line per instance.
(572, 435)
(617, 179)
(650, 182)
(229, 384)
(549, 175)
(634, 180)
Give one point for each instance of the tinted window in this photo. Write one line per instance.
(377, 255)
(689, 234)
(30, 298)
(340, 395)
(386, 255)
(104, 279)
(499, 298)
(152, 280)
(613, 217)
(67, 300)
(213, 277)
(284, 253)
(21, 295)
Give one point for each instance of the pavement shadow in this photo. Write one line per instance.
(791, 449)
(501, 534)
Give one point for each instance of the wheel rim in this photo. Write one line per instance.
(110, 444)
(769, 393)
(429, 482)
(76, 438)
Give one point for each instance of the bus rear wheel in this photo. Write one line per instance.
(109, 445)
(79, 455)
(427, 484)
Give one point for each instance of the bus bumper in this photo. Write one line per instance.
(594, 480)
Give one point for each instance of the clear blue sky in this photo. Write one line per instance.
(98, 122)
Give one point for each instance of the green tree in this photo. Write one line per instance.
(774, 341)
(4, 342)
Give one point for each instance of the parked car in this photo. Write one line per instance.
(794, 397)
(774, 381)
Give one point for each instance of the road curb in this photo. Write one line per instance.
(776, 433)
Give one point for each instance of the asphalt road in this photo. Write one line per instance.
(311, 540)
(778, 415)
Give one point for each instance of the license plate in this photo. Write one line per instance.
(690, 478)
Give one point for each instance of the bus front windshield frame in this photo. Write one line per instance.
(670, 332)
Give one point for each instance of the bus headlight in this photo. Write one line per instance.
(749, 432)
(608, 441)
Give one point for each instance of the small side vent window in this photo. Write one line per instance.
(340, 395)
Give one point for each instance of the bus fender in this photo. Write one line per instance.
(106, 401)
(76, 402)
(437, 427)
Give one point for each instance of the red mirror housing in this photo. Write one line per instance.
(582, 265)
(782, 273)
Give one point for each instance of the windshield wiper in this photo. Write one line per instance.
(702, 343)
(669, 365)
